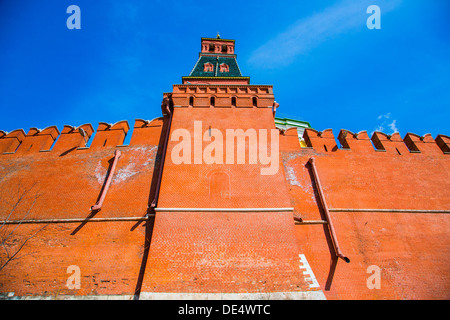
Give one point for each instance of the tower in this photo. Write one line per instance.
(224, 220)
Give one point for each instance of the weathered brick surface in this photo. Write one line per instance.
(410, 248)
(67, 186)
(223, 252)
(63, 184)
(109, 256)
(197, 185)
(412, 252)
(230, 252)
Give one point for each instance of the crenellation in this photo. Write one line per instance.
(427, 138)
(11, 141)
(289, 140)
(422, 144)
(355, 142)
(392, 144)
(110, 135)
(147, 131)
(321, 141)
(52, 131)
(443, 142)
(37, 140)
(73, 137)
(411, 140)
(428, 145)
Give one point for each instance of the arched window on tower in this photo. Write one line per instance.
(233, 101)
(255, 101)
(213, 101)
(224, 68)
(208, 67)
(191, 101)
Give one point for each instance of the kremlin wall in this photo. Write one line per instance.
(344, 216)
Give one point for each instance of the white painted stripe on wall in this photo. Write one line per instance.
(308, 272)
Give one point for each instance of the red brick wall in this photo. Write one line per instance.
(63, 184)
(412, 249)
(222, 251)
(189, 185)
(109, 255)
(225, 251)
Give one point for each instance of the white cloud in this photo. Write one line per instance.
(379, 129)
(387, 115)
(393, 126)
(307, 33)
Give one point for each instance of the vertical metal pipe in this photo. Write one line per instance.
(99, 203)
(166, 108)
(327, 213)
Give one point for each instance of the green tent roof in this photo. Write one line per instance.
(216, 61)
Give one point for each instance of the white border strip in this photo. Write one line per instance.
(300, 295)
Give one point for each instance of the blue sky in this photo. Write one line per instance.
(326, 66)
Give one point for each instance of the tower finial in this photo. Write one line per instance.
(218, 35)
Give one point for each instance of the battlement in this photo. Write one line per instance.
(110, 135)
(9, 142)
(76, 138)
(73, 137)
(321, 141)
(148, 132)
(379, 142)
(38, 140)
(443, 143)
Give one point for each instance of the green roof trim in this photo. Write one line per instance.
(292, 122)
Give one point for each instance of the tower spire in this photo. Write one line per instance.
(216, 63)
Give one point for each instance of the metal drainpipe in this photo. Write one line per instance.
(166, 104)
(327, 213)
(275, 106)
(99, 203)
(77, 220)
